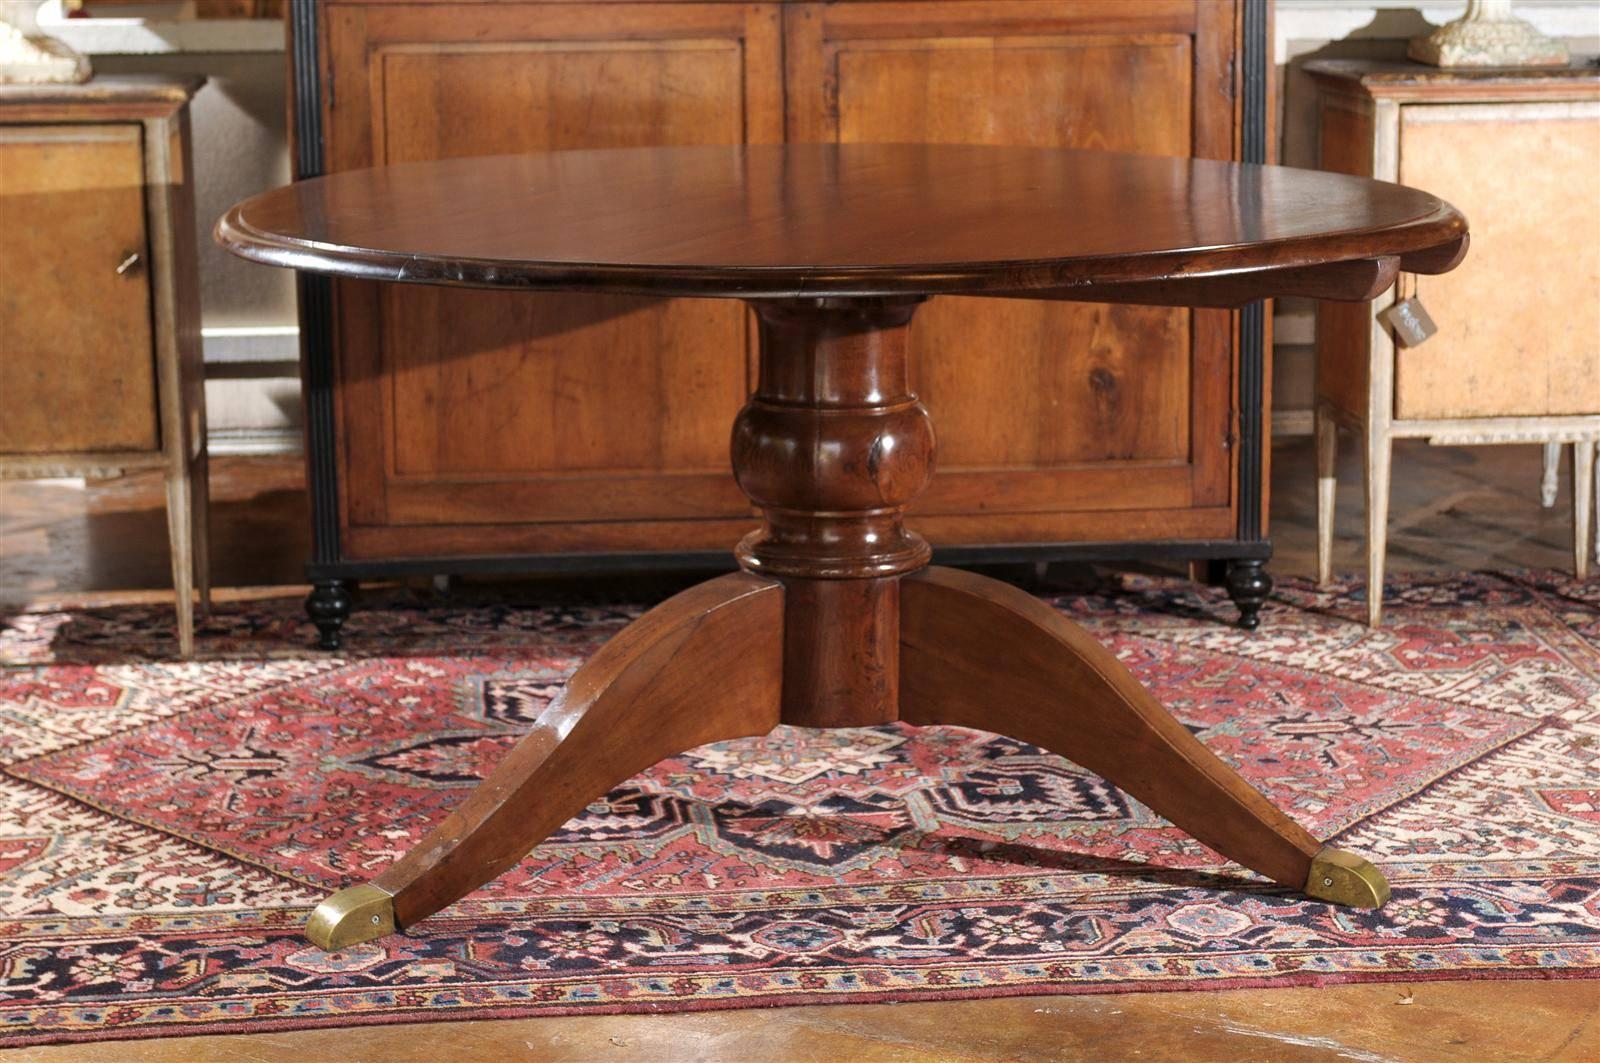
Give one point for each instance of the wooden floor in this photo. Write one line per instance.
(1476, 1021)
(1453, 508)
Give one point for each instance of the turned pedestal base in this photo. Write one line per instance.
(837, 622)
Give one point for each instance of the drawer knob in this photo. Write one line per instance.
(128, 263)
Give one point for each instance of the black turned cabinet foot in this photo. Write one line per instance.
(328, 606)
(1248, 585)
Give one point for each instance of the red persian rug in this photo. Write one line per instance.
(166, 826)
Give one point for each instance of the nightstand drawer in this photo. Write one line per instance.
(78, 367)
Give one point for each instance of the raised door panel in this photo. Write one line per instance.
(506, 382)
(77, 371)
(1045, 408)
(484, 408)
(1068, 376)
(1519, 320)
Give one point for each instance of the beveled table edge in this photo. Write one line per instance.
(1436, 228)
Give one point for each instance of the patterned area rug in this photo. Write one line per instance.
(165, 827)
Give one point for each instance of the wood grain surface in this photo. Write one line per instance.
(1509, 349)
(832, 448)
(828, 219)
(75, 322)
(979, 653)
(475, 423)
(703, 666)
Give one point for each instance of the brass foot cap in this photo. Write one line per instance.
(1339, 877)
(351, 916)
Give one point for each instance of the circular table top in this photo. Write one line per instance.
(829, 220)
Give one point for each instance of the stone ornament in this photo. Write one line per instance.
(29, 56)
(1487, 35)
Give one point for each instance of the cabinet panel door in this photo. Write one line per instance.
(77, 371)
(1046, 407)
(1519, 319)
(485, 408)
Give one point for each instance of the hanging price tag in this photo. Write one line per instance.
(1409, 321)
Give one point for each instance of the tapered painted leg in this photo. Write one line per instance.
(1582, 504)
(975, 652)
(703, 666)
(1380, 452)
(179, 531)
(1327, 491)
(200, 531)
(1549, 479)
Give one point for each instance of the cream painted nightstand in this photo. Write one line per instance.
(1517, 355)
(99, 303)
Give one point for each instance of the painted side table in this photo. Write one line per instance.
(1517, 356)
(100, 362)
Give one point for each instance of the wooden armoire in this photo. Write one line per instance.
(461, 431)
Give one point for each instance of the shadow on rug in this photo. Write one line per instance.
(165, 827)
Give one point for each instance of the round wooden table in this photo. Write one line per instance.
(836, 619)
